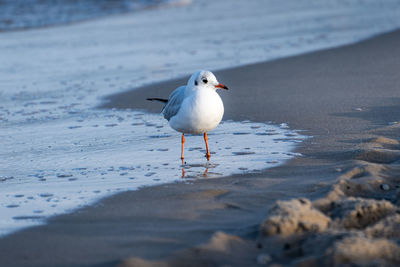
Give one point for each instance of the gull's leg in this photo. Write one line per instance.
(205, 174)
(208, 152)
(183, 141)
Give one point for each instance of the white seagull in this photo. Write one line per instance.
(195, 108)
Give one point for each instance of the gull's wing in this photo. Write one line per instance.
(174, 102)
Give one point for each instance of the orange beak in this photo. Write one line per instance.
(221, 86)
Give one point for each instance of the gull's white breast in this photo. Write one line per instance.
(201, 111)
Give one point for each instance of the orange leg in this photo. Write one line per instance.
(208, 151)
(205, 174)
(183, 142)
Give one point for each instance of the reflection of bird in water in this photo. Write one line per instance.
(195, 108)
(205, 174)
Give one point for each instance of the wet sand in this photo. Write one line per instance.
(347, 98)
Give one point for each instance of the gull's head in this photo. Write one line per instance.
(205, 79)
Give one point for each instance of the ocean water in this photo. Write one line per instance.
(59, 152)
(28, 14)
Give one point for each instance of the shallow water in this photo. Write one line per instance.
(56, 166)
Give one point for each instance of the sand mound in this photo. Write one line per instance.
(353, 231)
(294, 216)
(366, 180)
(384, 142)
(358, 212)
(380, 150)
(366, 252)
(222, 242)
(386, 228)
(356, 223)
(379, 156)
(221, 247)
(299, 216)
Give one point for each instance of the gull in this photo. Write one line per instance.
(195, 108)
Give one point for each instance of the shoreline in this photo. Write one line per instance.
(331, 94)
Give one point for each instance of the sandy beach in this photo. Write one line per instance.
(342, 194)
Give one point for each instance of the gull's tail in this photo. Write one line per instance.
(158, 99)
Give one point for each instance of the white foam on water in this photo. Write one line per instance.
(58, 153)
(58, 166)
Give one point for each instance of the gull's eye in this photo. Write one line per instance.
(195, 83)
(205, 80)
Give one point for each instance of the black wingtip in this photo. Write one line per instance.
(158, 99)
